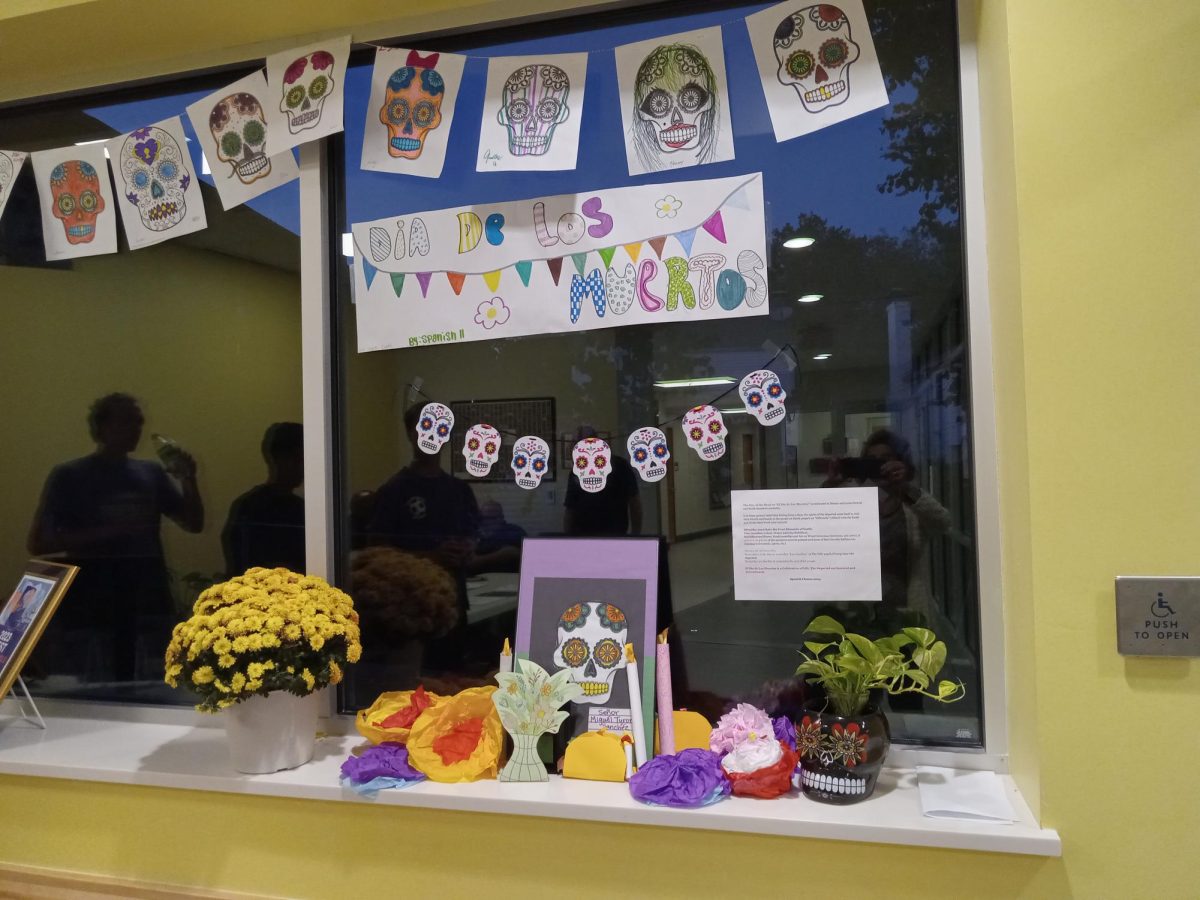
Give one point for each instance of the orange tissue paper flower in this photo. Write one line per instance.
(392, 715)
(405, 717)
(459, 739)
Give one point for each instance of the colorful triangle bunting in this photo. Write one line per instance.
(580, 260)
(456, 280)
(658, 243)
(634, 250)
(716, 226)
(423, 279)
(368, 272)
(555, 266)
(492, 279)
(607, 254)
(524, 268)
(738, 199)
(686, 239)
(397, 282)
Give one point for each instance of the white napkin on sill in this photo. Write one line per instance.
(957, 794)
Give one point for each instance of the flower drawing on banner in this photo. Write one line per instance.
(491, 313)
(668, 206)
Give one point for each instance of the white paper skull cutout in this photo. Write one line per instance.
(705, 430)
(815, 51)
(676, 105)
(532, 104)
(530, 460)
(412, 105)
(239, 127)
(764, 396)
(307, 83)
(6, 174)
(434, 427)
(155, 176)
(591, 644)
(481, 449)
(649, 453)
(592, 461)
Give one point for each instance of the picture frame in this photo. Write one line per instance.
(616, 579)
(26, 612)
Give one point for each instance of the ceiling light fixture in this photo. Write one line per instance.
(695, 382)
(809, 298)
(823, 356)
(799, 243)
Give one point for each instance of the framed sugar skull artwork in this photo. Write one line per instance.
(237, 139)
(78, 215)
(10, 167)
(304, 92)
(675, 101)
(410, 111)
(532, 110)
(581, 601)
(157, 191)
(817, 64)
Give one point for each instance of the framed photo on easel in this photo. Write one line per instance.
(25, 614)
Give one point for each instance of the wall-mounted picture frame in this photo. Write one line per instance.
(26, 613)
(580, 601)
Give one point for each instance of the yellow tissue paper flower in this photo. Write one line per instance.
(432, 739)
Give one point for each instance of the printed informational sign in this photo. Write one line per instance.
(676, 252)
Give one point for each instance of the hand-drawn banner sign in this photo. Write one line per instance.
(679, 252)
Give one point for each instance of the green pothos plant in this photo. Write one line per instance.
(849, 667)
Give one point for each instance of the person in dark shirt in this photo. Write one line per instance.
(266, 524)
(612, 512)
(103, 512)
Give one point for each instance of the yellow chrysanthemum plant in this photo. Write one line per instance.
(267, 630)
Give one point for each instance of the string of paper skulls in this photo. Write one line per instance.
(761, 393)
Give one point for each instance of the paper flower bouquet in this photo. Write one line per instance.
(267, 630)
(530, 704)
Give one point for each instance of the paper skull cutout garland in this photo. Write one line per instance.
(434, 427)
(78, 199)
(591, 642)
(815, 52)
(705, 430)
(530, 460)
(764, 396)
(412, 105)
(307, 83)
(649, 453)
(533, 104)
(481, 449)
(239, 129)
(592, 462)
(156, 177)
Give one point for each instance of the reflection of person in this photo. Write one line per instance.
(424, 509)
(266, 524)
(612, 512)
(103, 512)
(499, 547)
(908, 518)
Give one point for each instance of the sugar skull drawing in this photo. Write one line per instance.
(592, 462)
(481, 449)
(156, 178)
(763, 396)
(412, 105)
(307, 83)
(239, 129)
(676, 107)
(6, 174)
(815, 51)
(649, 453)
(75, 189)
(434, 427)
(530, 460)
(591, 644)
(705, 430)
(532, 105)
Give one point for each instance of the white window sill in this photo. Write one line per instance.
(196, 758)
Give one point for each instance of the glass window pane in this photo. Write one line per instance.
(126, 372)
(866, 330)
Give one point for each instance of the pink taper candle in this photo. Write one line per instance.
(666, 703)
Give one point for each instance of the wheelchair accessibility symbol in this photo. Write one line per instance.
(1160, 608)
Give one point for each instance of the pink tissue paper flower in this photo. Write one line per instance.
(742, 723)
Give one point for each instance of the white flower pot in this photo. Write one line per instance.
(278, 731)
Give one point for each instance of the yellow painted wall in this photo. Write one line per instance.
(1091, 132)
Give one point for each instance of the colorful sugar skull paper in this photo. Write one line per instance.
(78, 217)
(530, 461)
(305, 87)
(239, 143)
(10, 167)
(481, 449)
(530, 703)
(434, 427)
(591, 461)
(705, 431)
(675, 101)
(410, 111)
(817, 64)
(532, 112)
(159, 196)
(591, 648)
(649, 453)
(764, 396)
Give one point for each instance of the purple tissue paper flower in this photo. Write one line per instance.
(387, 760)
(785, 731)
(687, 779)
